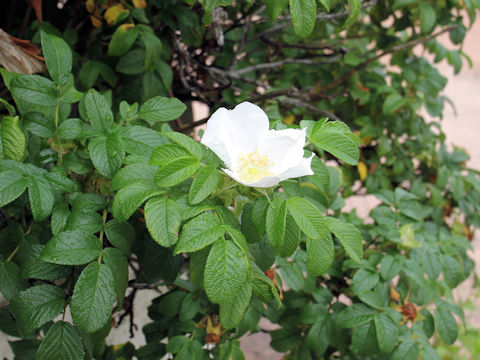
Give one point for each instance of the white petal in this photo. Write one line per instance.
(216, 135)
(232, 132)
(248, 124)
(303, 168)
(283, 147)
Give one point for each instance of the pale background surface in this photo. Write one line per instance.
(462, 130)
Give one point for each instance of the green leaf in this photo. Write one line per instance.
(446, 325)
(190, 307)
(122, 40)
(349, 237)
(161, 108)
(355, 315)
(12, 139)
(60, 181)
(192, 146)
(120, 235)
(130, 198)
(36, 306)
(452, 271)
(320, 253)
(40, 193)
(58, 57)
(231, 313)
(93, 297)
(10, 281)
(140, 140)
(134, 174)
(98, 111)
(199, 232)
(73, 247)
(87, 221)
(177, 343)
(354, 11)
(292, 238)
(132, 63)
(39, 124)
(70, 128)
(307, 216)
(338, 144)
(276, 222)
(303, 16)
(166, 153)
(203, 184)
(275, 8)
(387, 332)
(107, 153)
(163, 219)
(117, 262)
(364, 339)
(34, 89)
(317, 338)
(407, 350)
(176, 171)
(153, 48)
(427, 17)
(392, 103)
(12, 185)
(225, 272)
(62, 342)
(34, 268)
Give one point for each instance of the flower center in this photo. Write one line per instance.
(252, 167)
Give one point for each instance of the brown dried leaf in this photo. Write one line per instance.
(20, 56)
(37, 6)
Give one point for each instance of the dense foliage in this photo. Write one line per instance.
(104, 192)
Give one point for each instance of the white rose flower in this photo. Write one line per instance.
(254, 155)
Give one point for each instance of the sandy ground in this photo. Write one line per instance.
(462, 129)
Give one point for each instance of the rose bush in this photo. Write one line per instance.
(106, 194)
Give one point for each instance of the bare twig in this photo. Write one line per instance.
(303, 104)
(280, 63)
(392, 50)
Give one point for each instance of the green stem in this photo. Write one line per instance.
(13, 253)
(57, 137)
(264, 192)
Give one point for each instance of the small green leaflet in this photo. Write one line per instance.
(12, 139)
(40, 193)
(161, 108)
(163, 219)
(10, 281)
(73, 247)
(93, 297)
(276, 222)
(203, 184)
(199, 232)
(34, 89)
(225, 272)
(130, 198)
(107, 153)
(12, 185)
(37, 305)
(320, 253)
(58, 57)
(349, 237)
(231, 313)
(307, 216)
(303, 16)
(98, 111)
(117, 262)
(176, 171)
(62, 342)
(354, 7)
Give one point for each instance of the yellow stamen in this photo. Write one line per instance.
(252, 167)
